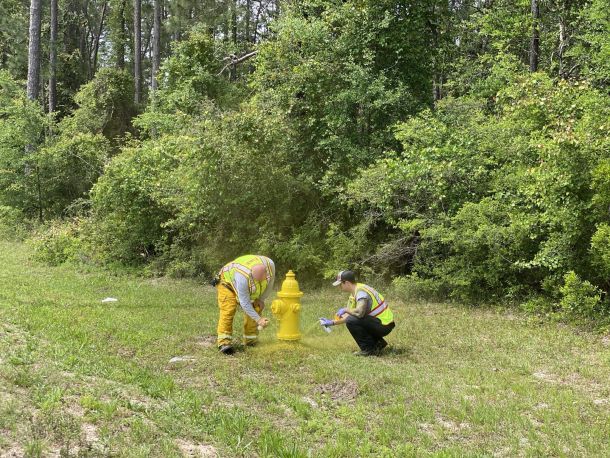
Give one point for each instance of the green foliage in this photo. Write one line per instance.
(12, 223)
(600, 253)
(57, 242)
(21, 126)
(104, 106)
(413, 288)
(501, 197)
(69, 167)
(580, 299)
(344, 73)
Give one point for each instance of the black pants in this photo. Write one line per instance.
(368, 332)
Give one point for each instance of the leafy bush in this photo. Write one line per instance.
(57, 242)
(414, 288)
(12, 223)
(579, 299)
(504, 198)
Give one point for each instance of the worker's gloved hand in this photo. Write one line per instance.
(342, 311)
(263, 322)
(326, 322)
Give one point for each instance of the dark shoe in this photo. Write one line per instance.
(226, 349)
(381, 345)
(365, 353)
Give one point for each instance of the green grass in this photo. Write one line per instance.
(82, 378)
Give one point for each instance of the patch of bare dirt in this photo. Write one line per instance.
(90, 434)
(192, 450)
(339, 391)
(14, 451)
(208, 341)
(451, 425)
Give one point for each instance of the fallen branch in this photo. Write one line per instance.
(234, 60)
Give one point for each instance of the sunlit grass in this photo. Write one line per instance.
(95, 379)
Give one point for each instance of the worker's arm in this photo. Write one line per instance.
(243, 296)
(363, 307)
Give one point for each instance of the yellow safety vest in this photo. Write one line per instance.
(244, 265)
(379, 307)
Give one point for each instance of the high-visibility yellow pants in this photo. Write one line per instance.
(227, 306)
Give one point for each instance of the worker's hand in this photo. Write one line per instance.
(342, 311)
(263, 322)
(260, 304)
(326, 322)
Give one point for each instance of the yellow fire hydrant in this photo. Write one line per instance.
(287, 308)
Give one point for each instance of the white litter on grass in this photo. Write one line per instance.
(109, 299)
(181, 359)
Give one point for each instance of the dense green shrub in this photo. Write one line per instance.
(21, 127)
(505, 198)
(579, 299)
(57, 242)
(13, 225)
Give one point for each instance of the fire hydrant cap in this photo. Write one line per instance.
(290, 287)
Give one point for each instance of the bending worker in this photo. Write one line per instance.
(246, 281)
(367, 315)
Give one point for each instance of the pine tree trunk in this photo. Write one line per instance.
(234, 22)
(120, 56)
(248, 19)
(53, 58)
(156, 45)
(535, 43)
(97, 38)
(137, 50)
(34, 51)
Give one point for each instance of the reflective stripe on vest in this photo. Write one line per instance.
(379, 307)
(244, 265)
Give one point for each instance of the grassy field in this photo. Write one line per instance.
(82, 378)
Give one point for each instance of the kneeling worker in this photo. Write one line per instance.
(246, 281)
(367, 315)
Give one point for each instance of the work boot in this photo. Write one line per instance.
(226, 349)
(364, 353)
(381, 344)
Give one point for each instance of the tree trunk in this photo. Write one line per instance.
(564, 37)
(82, 42)
(234, 22)
(120, 57)
(535, 43)
(137, 49)
(53, 58)
(97, 38)
(34, 50)
(156, 46)
(248, 19)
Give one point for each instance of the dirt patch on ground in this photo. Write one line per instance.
(191, 449)
(339, 391)
(451, 425)
(12, 452)
(206, 341)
